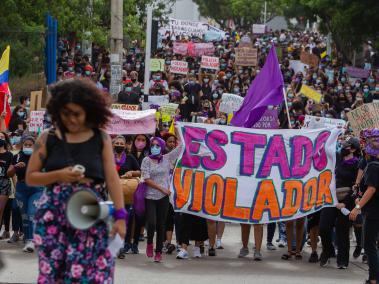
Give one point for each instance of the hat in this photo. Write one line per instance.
(88, 68)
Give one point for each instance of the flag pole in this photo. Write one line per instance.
(287, 110)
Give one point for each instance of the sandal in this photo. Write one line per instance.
(288, 256)
(298, 256)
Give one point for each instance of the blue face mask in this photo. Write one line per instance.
(155, 150)
(15, 140)
(128, 89)
(27, 151)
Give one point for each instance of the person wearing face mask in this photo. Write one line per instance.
(88, 69)
(106, 81)
(375, 93)
(26, 196)
(346, 171)
(128, 95)
(18, 118)
(70, 73)
(127, 167)
(155, 171)
(236, 89)
(223, 119)
(157, 79)
(192, 94)
(140, 147)
(206, 86)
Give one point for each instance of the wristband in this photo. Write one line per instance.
(120, 214)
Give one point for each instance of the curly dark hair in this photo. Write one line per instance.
(84, 93)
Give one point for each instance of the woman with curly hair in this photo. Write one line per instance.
(79, 111)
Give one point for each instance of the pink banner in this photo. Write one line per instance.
(132, 122)
(193, 49)
(180, 48)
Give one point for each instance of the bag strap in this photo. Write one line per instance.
(69, 158)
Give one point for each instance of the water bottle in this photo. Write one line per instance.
(345, 211)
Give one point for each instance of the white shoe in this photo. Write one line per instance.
(29, 247)
(282, 243)
(218, 244)
(183, 254)
(196, 252)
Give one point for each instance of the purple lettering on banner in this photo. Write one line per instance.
(320, 159)
(213, 141)
(269, 120)
(301, 156)
(248, 142)
(357, 72)
(190, 135)
(275, 155)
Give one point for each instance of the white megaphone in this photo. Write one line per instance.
(84, 210)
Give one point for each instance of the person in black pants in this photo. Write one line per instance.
(346, 171)
(369, 204)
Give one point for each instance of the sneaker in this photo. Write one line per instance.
(364, 258)
(243, 252)
(178, 248)
(211, 252)
(183, 254)
(218, 244)
(357, 252)
(342, 266)
(127, 248)
(134, 249)
(5, 235)
(282, 244)
(257, 256)
(14, 239)
(158, 257)
(270, 246)
(196, 252)
(314, 257)
(324, 260)
(164, 249)
(29, 247)
(170, 248)
(149, 250)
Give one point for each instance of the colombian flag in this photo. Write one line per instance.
(4, 87)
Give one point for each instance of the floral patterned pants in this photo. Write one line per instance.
(68, 255)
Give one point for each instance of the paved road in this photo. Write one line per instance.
(224, 268)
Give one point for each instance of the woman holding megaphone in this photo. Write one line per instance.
(79, 111)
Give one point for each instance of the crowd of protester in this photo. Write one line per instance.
(198, 95)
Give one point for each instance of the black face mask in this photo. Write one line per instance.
(119, 149)
(2, 142)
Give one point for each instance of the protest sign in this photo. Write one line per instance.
(156, 64)
(216, 30)
(230, 103)
(310, 93)
(35, 100)
(185, 27)
(124, 107)
(180, 48)
(259, 29)
(155, 101)
(245, 41)
(210, 62)
(366, 116)
(131, 122)
(314, 122)
(201, 49)
(357, 72)
(309, 59)
(254, 176)
(168, 111)
(269, 120)
(116, 76)
(246, 56)
(36, 121)
(179, 67)
(298, 66)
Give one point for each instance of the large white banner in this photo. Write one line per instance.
(185, 27)
(254, 176)
(132, 122)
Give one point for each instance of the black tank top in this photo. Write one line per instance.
(87, 154)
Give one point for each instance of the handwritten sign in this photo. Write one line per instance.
(309, 59)
(210, 62)
(185, 27)
(180, 48)
(259, 29)
(179, 67)
(230, 103)
(298, 66)
(131, 122)
(314, 122)
(269, 120)
(156, 64)
(155, 101)
(246, 56)
(310, 93)
(254, 176)
(36, 121)
(366, 116)
(124, 107)
(357, 72)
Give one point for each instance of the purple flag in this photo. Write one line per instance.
(265, 90)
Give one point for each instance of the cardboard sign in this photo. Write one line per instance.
(314, 122)
(310, 93)
(131, 122)
(269, 120)
(259, 29)
(36, 121)
(298, 66)
(35, 100)
(366, 116)
(357, 72)
(125, 107)
(179, 67)
(230, 103)
(309, 59)
(254, 176)
(210, 62)
(156, 64)
(246, 56)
